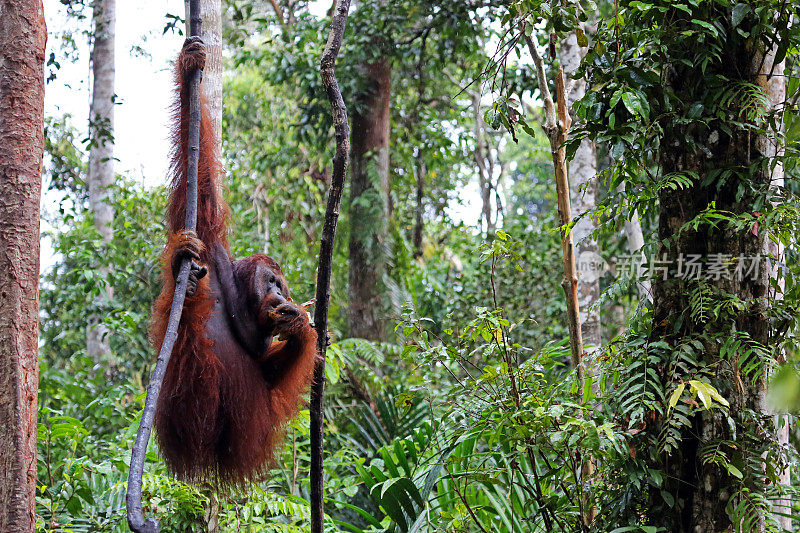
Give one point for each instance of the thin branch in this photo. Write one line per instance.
(556, 130)
(134, 494)
(538, 62)
(465, 502)
(278, 12)
(340, 160)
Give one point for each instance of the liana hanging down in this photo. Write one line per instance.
(245, 351)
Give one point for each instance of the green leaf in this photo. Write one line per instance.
(365, 515)
(707, 394)
(592, 438)
(656, 476)
(706, 25)
(676, 395)
(632, 104)
(615, 98)
(702, 393)
(739, 12)
(732, 470)
(582, 39)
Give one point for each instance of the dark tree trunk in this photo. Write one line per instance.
(422, 172)
(338, 177)
(701, 487)
(22, 42)
(369, 193)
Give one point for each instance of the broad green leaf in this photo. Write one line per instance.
(581, 36)
(732, 470)
(707, 393)
(675, 396)
(632, 104)
(738, 13)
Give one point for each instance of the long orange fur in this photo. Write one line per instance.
(218, 418)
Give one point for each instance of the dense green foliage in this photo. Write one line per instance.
(469, 418)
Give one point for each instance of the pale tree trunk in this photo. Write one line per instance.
(775, 87)
(211, 34)
(262, 205)
(100, 176)
(483, 159)
(583, 194)
(22, 48)
(635, 238)
(369, 192)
